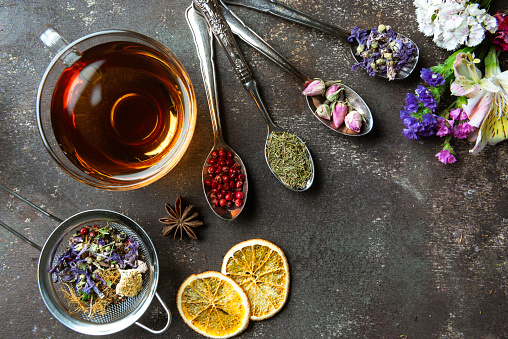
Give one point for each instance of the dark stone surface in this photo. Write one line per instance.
(388, 242)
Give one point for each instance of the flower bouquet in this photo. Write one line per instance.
(479, 111)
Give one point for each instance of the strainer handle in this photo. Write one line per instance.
(167, 324)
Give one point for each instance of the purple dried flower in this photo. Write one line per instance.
(431, 78)
(446, 157)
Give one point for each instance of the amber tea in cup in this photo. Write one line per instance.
(119, 110)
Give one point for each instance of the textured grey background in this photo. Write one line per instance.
(388, 242)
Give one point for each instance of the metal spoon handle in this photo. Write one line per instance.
(203, 39)
(289, 13)
(223, 33)
(220, 28)
(252, 38)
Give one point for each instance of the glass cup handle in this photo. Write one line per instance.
(58, 45)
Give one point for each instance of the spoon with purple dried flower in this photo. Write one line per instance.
(224, 176)
(336, 105)
(380, 51)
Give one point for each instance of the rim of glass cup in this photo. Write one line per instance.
(178, 149)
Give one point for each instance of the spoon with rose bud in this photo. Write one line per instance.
(224, 176)
(333, 116)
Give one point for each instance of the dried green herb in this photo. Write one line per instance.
(288, 158)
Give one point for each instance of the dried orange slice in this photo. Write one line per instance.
(213, 305)
(262, 270)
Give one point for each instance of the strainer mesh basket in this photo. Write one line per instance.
(117, 316)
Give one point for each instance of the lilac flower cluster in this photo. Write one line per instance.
(418, 114)
(382, 50)
(420, 118)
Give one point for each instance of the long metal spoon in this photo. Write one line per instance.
(289, 13)
(221, 30)
(203, 40)
(253, 39)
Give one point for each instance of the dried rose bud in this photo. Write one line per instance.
(339, 111)
(324, 111)
(354, 121)
(333, 92)
(316, 87)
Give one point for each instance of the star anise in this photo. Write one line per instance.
(180, 221)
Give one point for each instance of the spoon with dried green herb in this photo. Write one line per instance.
(298, 163)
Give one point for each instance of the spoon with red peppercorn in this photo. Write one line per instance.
(224, 177)
(218, 25)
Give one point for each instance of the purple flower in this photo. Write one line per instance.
(443, 128)
(446, 157)
(412, 103)
(410, 134)
(458, 114)
(426, 98)
(359, 34)
(431, 78)
(462, 130)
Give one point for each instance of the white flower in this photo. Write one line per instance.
(476, 33)
(453, 22)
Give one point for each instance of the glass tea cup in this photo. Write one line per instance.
(115, 109)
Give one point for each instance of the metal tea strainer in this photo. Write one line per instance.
(117, 316)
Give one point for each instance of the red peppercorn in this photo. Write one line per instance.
(208, 182)
(228, 196)
(230, 154)
(239, 184)
(215, 201)
(222, 202)
(238, 202)
(83, 231)
(222, 154)
(239, 195)
(229, 203)
(215, 154)
(241, 176)
(225, 186)
(229, 162)
(91, 234)
(211, 161)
